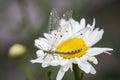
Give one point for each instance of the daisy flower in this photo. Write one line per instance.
(70, 44)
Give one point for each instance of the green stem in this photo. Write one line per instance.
(49, 75)
(78, 74)
(26, 69)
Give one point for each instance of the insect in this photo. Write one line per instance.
(57, 52)
(53, 24)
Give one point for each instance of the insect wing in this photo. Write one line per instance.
(53, 20)
(54, 24)
(67, 15)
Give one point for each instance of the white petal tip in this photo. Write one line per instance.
(93, 72)
(102, 30)
(109, 49)
(108, 53)
(95, 62)
(93, 24)
(82, 20)
(32, 61)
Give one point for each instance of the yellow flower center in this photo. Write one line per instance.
(72, 45)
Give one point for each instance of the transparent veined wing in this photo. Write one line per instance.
(54, 24)
(67, 15)
(54, 20)
(55, 17)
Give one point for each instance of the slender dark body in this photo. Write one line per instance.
(57, 52)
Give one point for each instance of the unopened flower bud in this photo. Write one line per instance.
(17, 50)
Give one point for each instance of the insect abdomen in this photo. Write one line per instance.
(70, 52)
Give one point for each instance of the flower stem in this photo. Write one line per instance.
(49, 75)
(26, 69)
(78, 74)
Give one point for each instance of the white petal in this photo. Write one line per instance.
(43, 39)
(84, 65)
(75, 25)
(61, 72)
(40, 56)
(63, 22)
(55, 61)
(93, 24)
(92, 71)
(82, 23)
(40, 53)
(45, 64)
(86, 34)
(96, 51)
(54, 32)
(38, 60)
(71, 67)
(94, 37)
(47, 60)
(81, 32)
(48, 36)
(63, 62)
(93, 59)
(60, 75)
(41, 44)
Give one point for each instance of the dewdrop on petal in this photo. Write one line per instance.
(17, 50)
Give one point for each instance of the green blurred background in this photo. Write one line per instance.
(22, 21)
